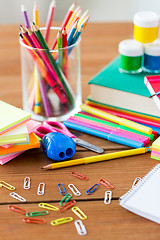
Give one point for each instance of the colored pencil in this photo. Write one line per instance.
(112, 118)
(72, 32)
(25, 16)
(65, 51)
(76, 36)
(35, 13)
(76, 18)
(82, 18)
(99, 158)
(49, 20)
(60, 51)
(66, 19)
(76, 11)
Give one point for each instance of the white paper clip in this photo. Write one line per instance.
(18, 197)
(81, 230)
(41, 188)
(137, 179)
(107, 197)
(75, 191)
(27, 183)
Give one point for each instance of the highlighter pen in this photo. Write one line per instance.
(109, 137)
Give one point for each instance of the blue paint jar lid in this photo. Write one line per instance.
(130, 48)
(152, 49)
(146, 19)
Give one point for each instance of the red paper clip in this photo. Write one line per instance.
(17, 209)
(78, 175)
(106, 184)
(67, 205)
(34, 220)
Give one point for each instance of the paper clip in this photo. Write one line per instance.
(66, 198)
(81, 230)
(61, 221)
(27, 183)
(92, 189)
(75, 191)
(18, 197)
(78, 175)
(7, 185)
(41, 188)
(67, 205)
(48, 206)
(33, 220)
(34, 214)
(62, 192)
(79, 213)
(106, 184)
(17, 209)
(137, 179)
(107, 197)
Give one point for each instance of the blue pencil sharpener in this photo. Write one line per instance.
(58, 146)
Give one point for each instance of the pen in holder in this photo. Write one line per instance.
(51, 79)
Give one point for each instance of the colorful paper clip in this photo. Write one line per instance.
(62, 192)
(27, 183)
(81, 230)
(7, 185)
(137, 179)
(67, 205)
(92, 189)
(66, 199)
(17, 209)
(107, 197)
(33, 220)
(75, 191)
(106, 184)
(78, 175)
(41, 188)
(61, 221)
(18, 197)
(48, 206)
(34, 214)
(79, 213)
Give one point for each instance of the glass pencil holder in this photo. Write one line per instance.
(51, 80)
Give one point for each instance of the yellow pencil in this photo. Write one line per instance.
(82, 18)
(36, 14)
(113, 118)
(72, 17)
(99, 158)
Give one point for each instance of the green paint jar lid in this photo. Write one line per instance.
(146, 19)
(130, 48)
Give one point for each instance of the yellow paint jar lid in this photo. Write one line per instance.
(146, 19)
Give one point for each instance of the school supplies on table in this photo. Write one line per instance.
(155, 153)
(50, 126)
(153, 85)
(11, 117)
(94, 159)
(143, 199)
(124, 91)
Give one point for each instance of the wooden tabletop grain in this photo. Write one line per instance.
(99, 46)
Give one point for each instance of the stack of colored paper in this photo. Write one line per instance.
(155, 153)
(16, 132)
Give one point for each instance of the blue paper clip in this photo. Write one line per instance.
(92, 189)
(62, 192)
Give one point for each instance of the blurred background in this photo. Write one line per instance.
(100, 10)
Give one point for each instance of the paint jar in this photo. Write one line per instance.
(131, 56)
(152, 58)
(145, 26)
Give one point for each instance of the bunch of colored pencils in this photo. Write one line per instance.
(50, 67)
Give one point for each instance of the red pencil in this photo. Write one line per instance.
(67, 17)
(49, 20)
(65, 51)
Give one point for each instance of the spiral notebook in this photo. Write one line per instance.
(144, 198)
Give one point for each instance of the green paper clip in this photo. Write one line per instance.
(33, 214)
(66, 198)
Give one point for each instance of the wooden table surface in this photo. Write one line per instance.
(99, 47)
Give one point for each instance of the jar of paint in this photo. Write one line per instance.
(145, 26)
(152, 58)
(131, 56)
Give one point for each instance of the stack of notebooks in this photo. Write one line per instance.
(155, 153)
(16, 132)
(126, 94)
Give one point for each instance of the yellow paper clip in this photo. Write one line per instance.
(79, 213)
(48, 206)
(61, 221)
(7, 185)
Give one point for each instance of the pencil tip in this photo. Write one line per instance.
(22, 8)
(41, 167)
